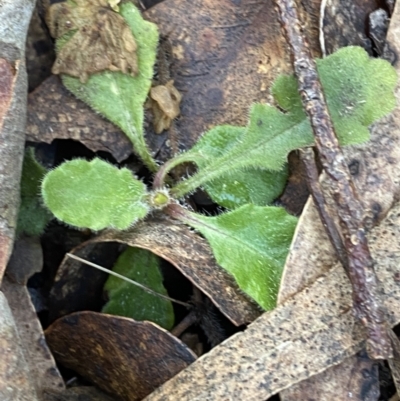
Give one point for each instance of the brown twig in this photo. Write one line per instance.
(308, 159)
(349, 208)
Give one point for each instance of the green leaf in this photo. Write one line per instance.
(251, 243)
(94, 195)
(259, 187)
(256, 186)
(32, 217)
(120, 97)
(358, 89)
(128, 300)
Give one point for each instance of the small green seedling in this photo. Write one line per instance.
(242, 168)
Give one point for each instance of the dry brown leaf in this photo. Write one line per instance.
(344, 24)
(102, 40)
(79, 287)
(355, 379)
(14, 21)
(26, 260)
(38, 358)
(16, 381)
(123, 357)
(39, 52)
(54, 113)
(313, 330)
(81, 393)
(172, 241)
(164, 103)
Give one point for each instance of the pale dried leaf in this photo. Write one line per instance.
(14, 21)
(16, 381)
(26, 260)
(38, 358)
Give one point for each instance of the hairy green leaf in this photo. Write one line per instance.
(251, 243)
(120, 97)
(32, 217)
(358, 89)
(251, 185)
(128, 300)
(94, 195)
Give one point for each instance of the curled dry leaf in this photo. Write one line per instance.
(343, 24)
(123, 357)
(38, 357)
(165, 101)
(190, 254)
(81, 393)
(14, 21)
(54, 113)
(101, 39)
(16, 380)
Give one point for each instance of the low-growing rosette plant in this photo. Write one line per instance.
(242, 169)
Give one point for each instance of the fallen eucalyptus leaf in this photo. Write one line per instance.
(131, 301)
(54, 113)
(94, 195)
(123, 357)
(251, 243)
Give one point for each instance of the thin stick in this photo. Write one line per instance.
(188, 320)
(149, 290)
(366, 301)
(308, 159)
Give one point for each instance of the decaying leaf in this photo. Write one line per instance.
(16, 381)
(123, 357)
(14, 17)
(37, 356)
(26, 259)
(54, 113)
(343, 24)
(101, 39)
(81, 393)
(165, 101)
